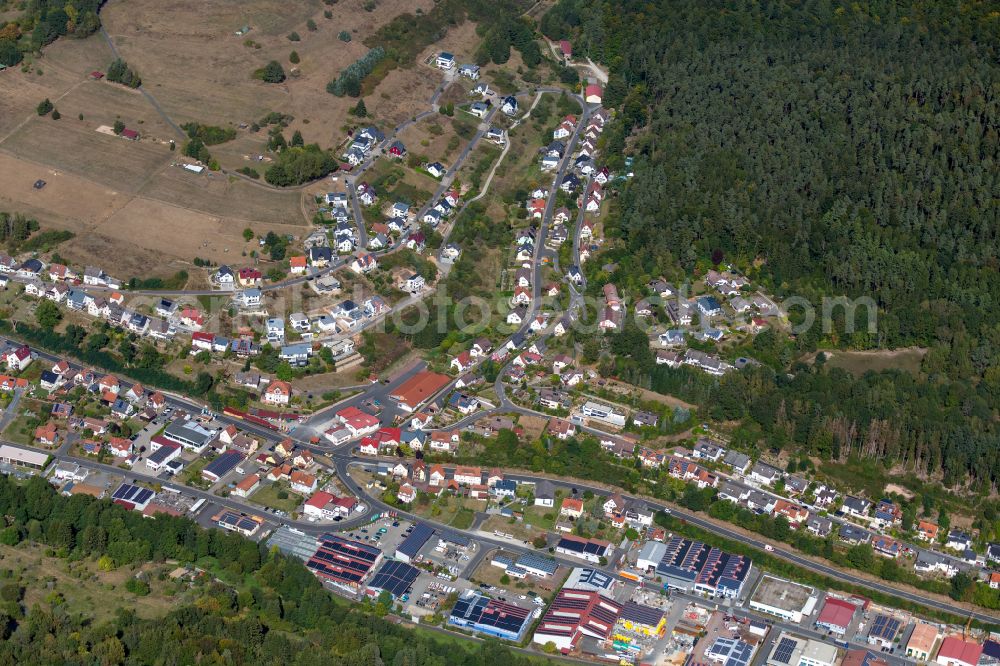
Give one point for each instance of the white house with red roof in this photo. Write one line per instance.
(18, 358)
(359, 423)
(462, 362)
(277, 393)
(407, 493)
(444, 441)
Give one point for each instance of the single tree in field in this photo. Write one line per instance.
(44, 107)
(273, 72)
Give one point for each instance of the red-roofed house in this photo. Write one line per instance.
(302, 482)
(249, 484)
(18, 358)
(320, 506)
(298, 264)
(277, 393)
(593, 94)
(406, 494)
(462, 362)
(572, 508)
(566, 49)
(120, 447)
(561, 428)
(956, 652)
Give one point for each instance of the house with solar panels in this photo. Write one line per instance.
(344, 563)
(393, 577)
(695, 566)
(491, 617)
(134, 498)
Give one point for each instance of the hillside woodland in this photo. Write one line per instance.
(277, 614)
(826, 149)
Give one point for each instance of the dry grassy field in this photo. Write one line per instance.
(200, 70)
(130, 200)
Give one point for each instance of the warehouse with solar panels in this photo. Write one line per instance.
(344, 563)
(238, 522)
(394, 577)
(409, 547)
(695, 566)
(491, 617)
(135, 498)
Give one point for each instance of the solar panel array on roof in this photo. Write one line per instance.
(343, 561)
(455, 539)
(412, 544)
(537, 562)
(884, 627)
(502, 560)
(783, 652)
(394, 577)
(233, 520)
(223, 464)
(132, 494)
(640, 614)
(582, 546)
(490, 615)
(686, 564)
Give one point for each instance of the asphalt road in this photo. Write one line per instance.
(343, 459)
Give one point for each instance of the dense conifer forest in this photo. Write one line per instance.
(826, 148)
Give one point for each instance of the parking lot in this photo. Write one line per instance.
(384, 533)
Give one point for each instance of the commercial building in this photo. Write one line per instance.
(409, 547)
(343, 562)
(575, 614)
(695, 566)
(132, 497)
(922, 640)
(836, 615)
(591, 580)
(162, 453)
(792, 650)
(13, 455)
(650, 555)
(223, 464)
(491, 617)
(591, 550)
(729, 652)
(537, 566)
(603, 413)
(189, 434)
(641, 619)
(238, 522)
(883, 631)
(419, 388)
(784, 599)
(863, 658)
(393, 577)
